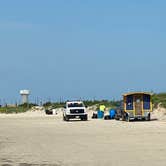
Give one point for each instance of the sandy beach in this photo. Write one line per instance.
(34, 138)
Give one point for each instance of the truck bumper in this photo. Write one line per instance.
(74, 116)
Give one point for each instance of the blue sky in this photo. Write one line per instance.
(85, 49)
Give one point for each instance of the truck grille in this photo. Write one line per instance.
(77, 111)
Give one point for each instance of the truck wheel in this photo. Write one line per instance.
(67, 119)
(85, 118)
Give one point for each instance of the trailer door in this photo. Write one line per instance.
(138, 105)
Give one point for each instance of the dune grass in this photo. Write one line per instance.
(159, 98)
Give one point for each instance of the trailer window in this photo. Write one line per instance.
(146, 102)
(129, 103)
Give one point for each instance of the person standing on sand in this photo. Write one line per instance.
(102, 108)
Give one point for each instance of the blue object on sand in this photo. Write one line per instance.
(100, 114)
(112, 113)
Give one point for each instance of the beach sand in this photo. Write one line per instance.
(34, 138)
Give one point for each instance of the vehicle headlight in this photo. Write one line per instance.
(68, 112)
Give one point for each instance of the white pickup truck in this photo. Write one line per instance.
(75, 110)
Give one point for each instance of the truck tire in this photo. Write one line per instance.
(85, 118)
(67, 119)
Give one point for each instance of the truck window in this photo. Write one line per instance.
(75, 105)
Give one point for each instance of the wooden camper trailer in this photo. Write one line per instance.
(137, 105)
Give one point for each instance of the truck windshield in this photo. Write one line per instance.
(75, 105)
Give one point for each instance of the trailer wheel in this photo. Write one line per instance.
(148, 117)
(123, 117)
(127, 118)
(116, 117)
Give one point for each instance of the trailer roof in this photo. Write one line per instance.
(135, 93)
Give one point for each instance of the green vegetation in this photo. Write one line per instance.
(156, 99)
(159, 99)
(107, 103)
(12, 110)
(54, 105)
(16, 109)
